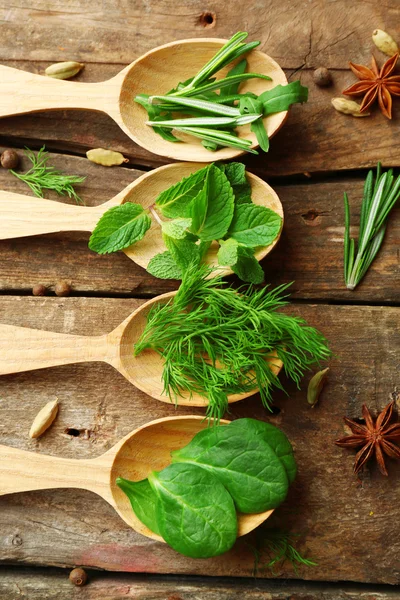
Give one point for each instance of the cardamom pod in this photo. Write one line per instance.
(64, 70)
(315, 386)
(348, 107)
(44, 419)
(384, 42)
(107, 158)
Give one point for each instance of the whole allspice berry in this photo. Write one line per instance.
(9, 159)
(39, 290)
(62, 289)
(78, 576)
(322, 77)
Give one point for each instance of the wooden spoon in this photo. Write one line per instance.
(23, 349)
(144, 450)
(22, 216)
(156, 72)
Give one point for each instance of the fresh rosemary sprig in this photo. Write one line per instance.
(197, 99)
(380, 196)
(215, 340)
(42, 177)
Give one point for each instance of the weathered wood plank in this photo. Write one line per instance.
(320, 33)
(350, 527)
(310, 252)
(53, 584)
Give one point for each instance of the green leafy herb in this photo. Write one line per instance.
(142, 499)
(197, 95)
(236, 175)
(175, 200)
(247, 267)
(176, 228)
(212, 209)
(184, 252)
(195, 513)
(119, 227)
(281, 97)
(42, 177)
(254, 225)
(248, 468)
(273, 436)
(215, 341)
(380, 197)
(163, 266)
(276, 547)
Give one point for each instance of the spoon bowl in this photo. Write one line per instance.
(143, 450)
(23, 349)
(156, 71)
(159, 70)
(22, 216)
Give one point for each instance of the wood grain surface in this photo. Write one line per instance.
(350, 526)
(53, 584)
(310, 252)
(300, 35)
(338, 516)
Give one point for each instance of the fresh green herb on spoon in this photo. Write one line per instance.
(215, 341)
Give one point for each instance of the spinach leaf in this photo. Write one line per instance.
(163, 266)
(174, 201)
(246, 465)
(212, 209)
(119, 227)
(274, 438)
(142, 499)
(195, 514)
(254, 225)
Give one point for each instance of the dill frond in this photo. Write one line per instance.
(42, 177)
(214, 340)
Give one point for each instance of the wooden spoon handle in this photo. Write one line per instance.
(22, 216)
(22, 471)
(22, 92)
(23, 349)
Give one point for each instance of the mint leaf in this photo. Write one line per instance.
(254, 225)
(228, 252)
(281, 97)
(236, 174)
(163, 266)
(247, 267)
(176, 228)
(174, 201)
(212, 209)
(184, 252)
(119, 228)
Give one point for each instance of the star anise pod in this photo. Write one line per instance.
(375, 83)
(376, 436)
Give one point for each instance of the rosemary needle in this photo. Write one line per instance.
(42, 177)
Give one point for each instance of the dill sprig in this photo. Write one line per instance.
(42, 177)
(214, 340)
(277, 547)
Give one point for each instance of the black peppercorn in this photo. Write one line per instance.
(78, 576)
(9, 159)
(322, 77)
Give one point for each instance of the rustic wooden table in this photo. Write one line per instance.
(350, 526)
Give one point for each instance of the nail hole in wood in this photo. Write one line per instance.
(275, 410)
(84, 433)
(207, 19)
